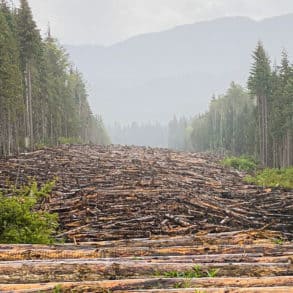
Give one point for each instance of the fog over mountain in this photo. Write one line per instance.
(154, 76)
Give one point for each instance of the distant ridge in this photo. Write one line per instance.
(156, 75)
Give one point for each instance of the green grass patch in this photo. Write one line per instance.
(273, 178)
(69, 140)
(195, 272)
(185, 284)
(57, 289)
(21, 222)
(242, 163)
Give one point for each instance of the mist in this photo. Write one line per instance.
(151, 68)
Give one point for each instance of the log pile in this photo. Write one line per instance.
(149, 220)
(240, 261)
(116, 192)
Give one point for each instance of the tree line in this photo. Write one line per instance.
(174, 135)
(43, 98)
(141, 134)
(256, 122)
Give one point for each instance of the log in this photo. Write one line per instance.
(121, 192)
(144, 214)
(134, 284)
(90, 270)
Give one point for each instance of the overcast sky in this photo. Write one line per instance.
(105, 22)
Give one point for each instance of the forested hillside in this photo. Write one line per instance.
(258, 122)
(157, 75)
(43, 99)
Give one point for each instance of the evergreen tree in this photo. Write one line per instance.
(287, 125)
(10, 88)
(228, 125)
(42, 100)
(30, 47)
(259, 84)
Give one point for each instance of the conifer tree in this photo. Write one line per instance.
(42, 99)
(259, 84)
(30, 44)
(10, 88)
(229, 125)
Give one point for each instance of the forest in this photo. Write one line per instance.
(43, 98)
(165, 199)
(257, 121)
(254, 121)
(140, 134)
(44, 101)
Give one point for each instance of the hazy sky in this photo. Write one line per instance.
(108, 21)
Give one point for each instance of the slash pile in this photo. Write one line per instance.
(116, 192)
(150, 220)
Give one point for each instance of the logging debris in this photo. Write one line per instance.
(122, 192)
(134, 216)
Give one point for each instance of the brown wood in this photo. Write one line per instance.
(90, 270)
(115, 192)
(139, 215)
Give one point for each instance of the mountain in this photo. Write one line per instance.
(153, 76)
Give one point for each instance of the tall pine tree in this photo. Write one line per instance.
(30, 46)
(10, 87)
(259, 84)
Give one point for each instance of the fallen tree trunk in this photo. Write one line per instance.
(115, 192)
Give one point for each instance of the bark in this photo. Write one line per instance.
(159, 213)
(121, 192)
(27, 112)
(30, 98)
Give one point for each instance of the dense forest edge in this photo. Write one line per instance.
(43, 101)
(256, 122)
(43, 98)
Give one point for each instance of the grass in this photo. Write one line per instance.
(266, 178)
(212, 273)
(69, 140)
(242, 163)
(185, 284)
(278, 241)
(273, 178)
(57, 289)
(195, 272)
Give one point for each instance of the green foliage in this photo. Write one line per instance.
(242, 163)
(21, 222)
(28, 35)
(42, 98)
(69, 140)
(258, 122)
(260, 75)
(195, 272)
(57, 289)
(228, 126)
(179, 133)
(184, 284)
(273, 178)
(212, 273)
(278, 241)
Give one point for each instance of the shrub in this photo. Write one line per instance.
(21, 222)
(273, 178)
(69, 140)
(242, 163)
